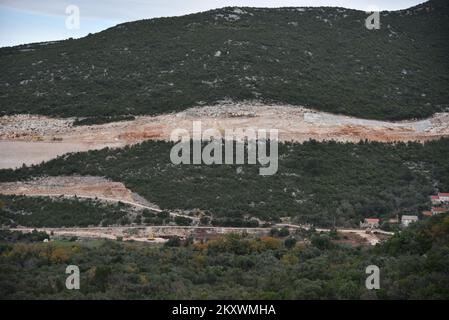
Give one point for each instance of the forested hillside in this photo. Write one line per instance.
(57, 212)
(413, 265)
(322, 58)
(319, 183)
(39, 212)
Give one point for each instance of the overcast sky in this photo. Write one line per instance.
(25, 21)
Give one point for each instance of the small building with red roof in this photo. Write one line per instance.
(435, 199)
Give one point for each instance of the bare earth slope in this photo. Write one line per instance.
(86, 186)
(32, 139)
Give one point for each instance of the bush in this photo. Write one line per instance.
(290, 242)
(173, 242)
(321, 241)
(284, 232)
(183, 221)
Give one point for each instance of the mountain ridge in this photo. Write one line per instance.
(316, 57)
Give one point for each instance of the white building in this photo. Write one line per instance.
(370, 223)
(438, 210)
(406, 220)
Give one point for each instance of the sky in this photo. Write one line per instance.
(26, 21)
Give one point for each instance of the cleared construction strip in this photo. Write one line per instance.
(31, 139)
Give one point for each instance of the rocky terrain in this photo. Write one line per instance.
(32, 139)
(293, 123)
(85, 186)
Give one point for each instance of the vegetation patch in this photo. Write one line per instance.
(318, 183)
(413, 265)
(40, 212)
(323, 58)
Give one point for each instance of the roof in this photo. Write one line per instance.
(405, 217)
(427, 213)
(443, 194)
(434, 197)
(372, 220)
(439, 209)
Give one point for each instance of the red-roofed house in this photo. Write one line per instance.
(443, 197)
(370, 223)
(435, 199)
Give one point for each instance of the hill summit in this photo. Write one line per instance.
(324, 58)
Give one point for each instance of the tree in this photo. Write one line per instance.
(290, 242)
(164, 215)
(204, 221)
(183, 221)
(321, 241)
(173, 242)
(189, 241)
(284, 232)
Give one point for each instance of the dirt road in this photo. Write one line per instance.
(101, 189)
(145, 233)
(369, 237)
(161, 233)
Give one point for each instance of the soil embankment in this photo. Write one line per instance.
(32, 139)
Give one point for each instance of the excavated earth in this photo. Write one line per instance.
(29, 139)
(80, 186)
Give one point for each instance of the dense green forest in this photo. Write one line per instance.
(413, 265)
(18, 236)
(315, 183)
(47, 212)
(323, 58)
(37, 212)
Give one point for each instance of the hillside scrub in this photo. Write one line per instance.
(316, 183)
(322, 58)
